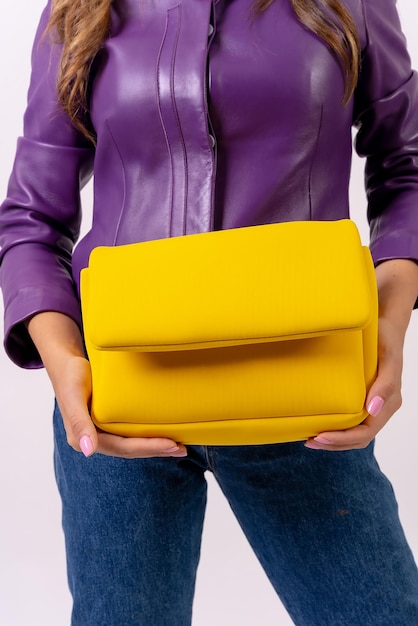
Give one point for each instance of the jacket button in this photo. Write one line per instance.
(212, 141)
(210, 31)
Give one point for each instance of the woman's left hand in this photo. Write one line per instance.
(398, 288)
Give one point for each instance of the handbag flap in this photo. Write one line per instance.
(246, 285)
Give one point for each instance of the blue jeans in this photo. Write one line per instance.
(324, 526)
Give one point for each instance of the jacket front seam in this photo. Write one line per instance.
(122, 210)
(311, 210)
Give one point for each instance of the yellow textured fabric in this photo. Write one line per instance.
(254, 335)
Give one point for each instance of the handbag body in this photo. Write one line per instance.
(262, 334)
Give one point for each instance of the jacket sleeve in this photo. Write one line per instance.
(386, 114)
(40, 218)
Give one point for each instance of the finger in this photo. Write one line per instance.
(383, 400)
(353, 438)
(138, 447)
(359, 436)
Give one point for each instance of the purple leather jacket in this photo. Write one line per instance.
(205, 120)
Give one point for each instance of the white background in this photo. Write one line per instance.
(231, 588)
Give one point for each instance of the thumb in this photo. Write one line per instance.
(73, 396)
(81, 432)
(375, 403)
(87, 446)
(385, 393)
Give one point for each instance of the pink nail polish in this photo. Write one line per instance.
(171, 450)
(323, 440)
(86, 445)
(312, 445)
(375, 405)
(179, 453)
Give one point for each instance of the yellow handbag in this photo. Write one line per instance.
(253, 335)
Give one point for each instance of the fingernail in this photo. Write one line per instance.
(179, 453)
(312, 445)
(375, 405)
(172, 449)
(86, 445)
(323, 440)
(175, 451)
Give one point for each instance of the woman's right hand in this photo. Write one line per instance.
(59, 343)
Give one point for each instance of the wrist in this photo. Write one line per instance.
(56, 336)
(397, 282)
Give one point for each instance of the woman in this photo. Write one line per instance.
(200, 116)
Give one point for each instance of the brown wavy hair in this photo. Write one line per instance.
(81, 27)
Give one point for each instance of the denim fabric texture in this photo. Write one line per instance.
(324, 526)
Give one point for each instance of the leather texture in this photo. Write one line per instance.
(263, 334)
(205, 120)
